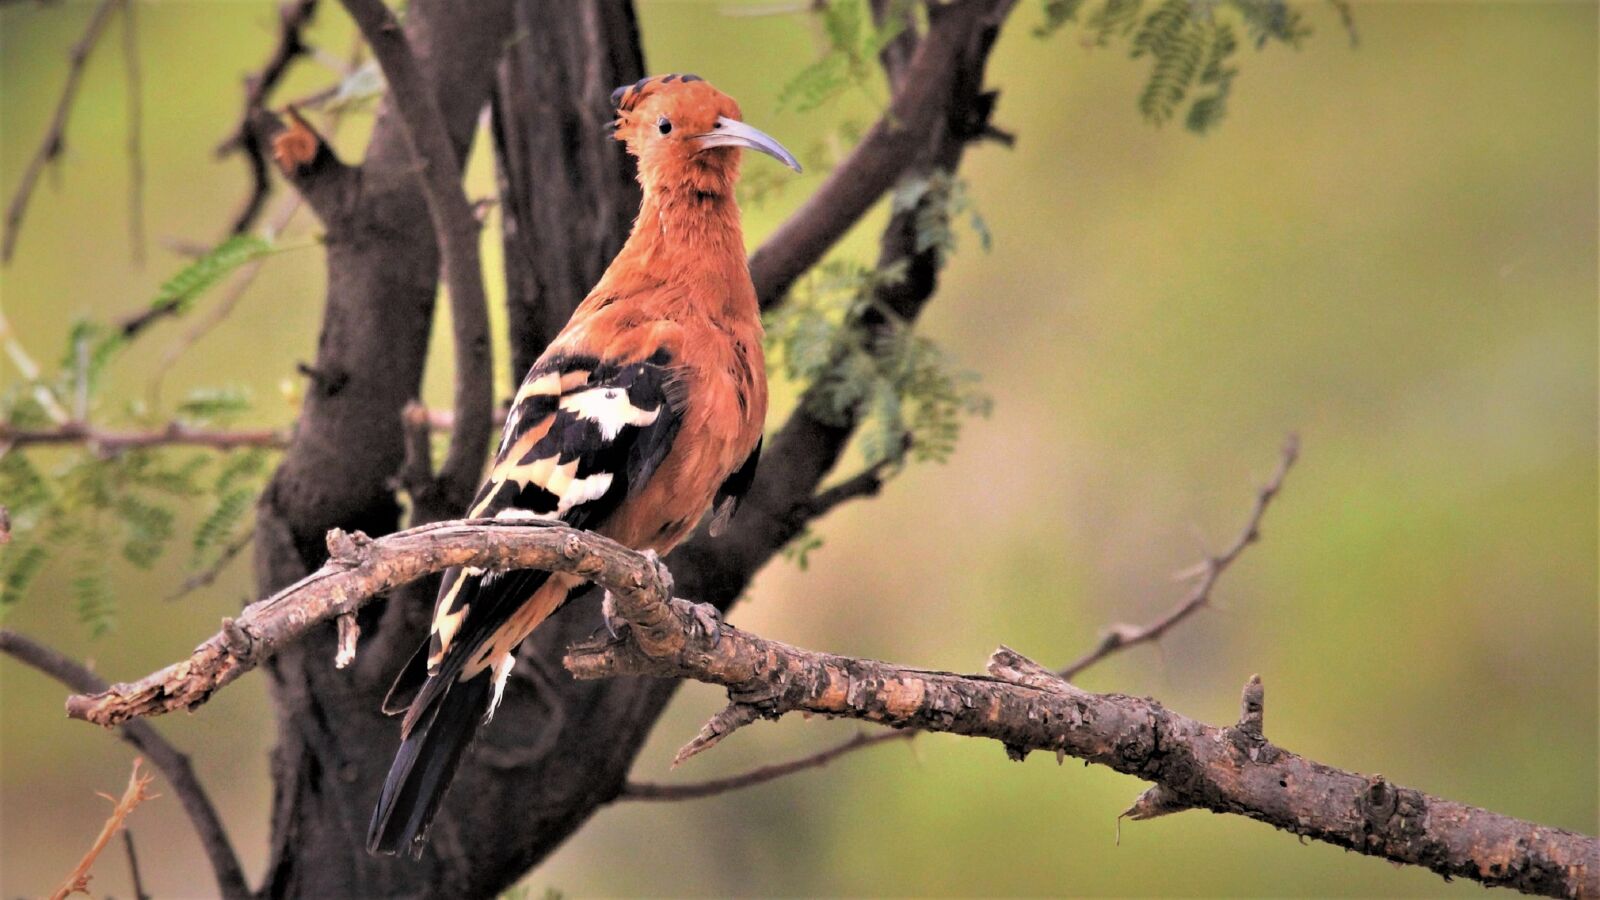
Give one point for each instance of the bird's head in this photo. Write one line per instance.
(685, 133)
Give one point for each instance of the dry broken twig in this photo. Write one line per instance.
(137, 791)
(165, 757)
(1016, 702)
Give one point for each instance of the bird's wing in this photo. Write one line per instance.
(583, 434)
(733, 491)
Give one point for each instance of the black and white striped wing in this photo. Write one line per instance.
(582, 436)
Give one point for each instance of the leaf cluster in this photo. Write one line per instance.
(1192, 46)
(76, 508)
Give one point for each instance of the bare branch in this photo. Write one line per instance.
(168, 759)
(1121, 637)
(139, 893)
(866, 483)
(173, 434)
(456, 228)
(209, 575)
(55, 137)
(636, 790)
(359, 569)
(137, 791)
(1026, 707)
(293, 17)
(1017, 702)
(134, 85)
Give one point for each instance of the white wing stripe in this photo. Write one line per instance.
(608, 408)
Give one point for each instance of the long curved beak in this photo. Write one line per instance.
(733, 133)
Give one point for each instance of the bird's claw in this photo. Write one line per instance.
(615, 624)
(708, 620)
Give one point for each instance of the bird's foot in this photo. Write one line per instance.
(708, 620)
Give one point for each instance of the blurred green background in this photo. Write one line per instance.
(1390, 249)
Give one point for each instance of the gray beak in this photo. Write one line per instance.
(733, 133)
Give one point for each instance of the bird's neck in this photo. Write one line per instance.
(691, 238)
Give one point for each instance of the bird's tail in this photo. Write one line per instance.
(425, 763)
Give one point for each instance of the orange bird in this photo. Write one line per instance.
(644, 411)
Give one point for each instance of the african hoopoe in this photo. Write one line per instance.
(644, 411)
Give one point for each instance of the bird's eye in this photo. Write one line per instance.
(664, 124)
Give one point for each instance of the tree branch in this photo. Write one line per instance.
(923, 98)
(55, 137)
(456, 228)
(1121, 637)
(1027, 707)
(1019, 703)
(637, 790)
(247, 136)
(110, 442)
(165, 757)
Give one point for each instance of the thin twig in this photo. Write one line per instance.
(173, 434)
(293, 16)
(168, 759)
(55, 137)
(1121, 637)
(137, 791)
(209, 575)
(134, 83)
(866, 483)
(637, 790)
(139, 893)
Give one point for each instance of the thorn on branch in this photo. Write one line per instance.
(1155, 802)
(733, 717)
(329, 383)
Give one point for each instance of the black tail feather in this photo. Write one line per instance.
(424, 765)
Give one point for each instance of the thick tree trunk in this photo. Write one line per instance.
(383, 274)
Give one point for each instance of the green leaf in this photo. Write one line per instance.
(211, 404)
(183, 289)
(92, 598)
(20, 562)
